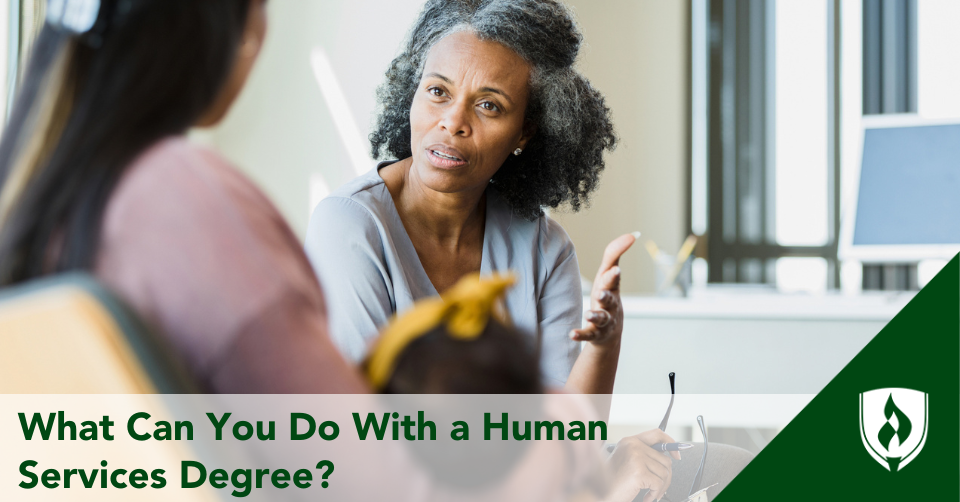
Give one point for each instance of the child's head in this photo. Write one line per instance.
(498, 361)
(455, 345)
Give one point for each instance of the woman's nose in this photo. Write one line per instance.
(456, 120)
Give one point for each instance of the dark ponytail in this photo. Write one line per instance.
(88, 106)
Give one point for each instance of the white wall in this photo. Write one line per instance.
(637, 54)
(281, 131)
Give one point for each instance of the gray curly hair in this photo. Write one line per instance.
(563, 161)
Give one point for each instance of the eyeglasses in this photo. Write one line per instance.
(696, 494)
(703, 458)
(673, 392)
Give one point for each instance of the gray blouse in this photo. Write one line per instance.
(369, 268)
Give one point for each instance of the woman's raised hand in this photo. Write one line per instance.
(605, 317)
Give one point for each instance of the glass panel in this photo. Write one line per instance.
(801, 122)
(698, 119)
(4, 55)
(751, 270)
(699, 273)
(729, 270)
(938, 69)
(802, 274)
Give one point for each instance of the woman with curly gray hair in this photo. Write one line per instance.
(491, 123)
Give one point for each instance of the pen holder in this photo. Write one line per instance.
(679, 286)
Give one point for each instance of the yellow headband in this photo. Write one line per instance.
(465, 308)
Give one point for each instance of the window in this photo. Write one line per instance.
(778, 91)
(769, 141)
(20, 23)
(5, 35)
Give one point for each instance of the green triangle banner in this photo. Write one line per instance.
(887, 427)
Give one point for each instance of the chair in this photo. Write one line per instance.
(67, 334)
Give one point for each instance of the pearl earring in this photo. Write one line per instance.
(517, 152)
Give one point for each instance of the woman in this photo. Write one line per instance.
(490, 122)
(96, 175)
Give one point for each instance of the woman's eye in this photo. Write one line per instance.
(436, 91)
(490, 107)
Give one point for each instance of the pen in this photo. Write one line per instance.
(685, 250)
(658, 446)
(671, 446)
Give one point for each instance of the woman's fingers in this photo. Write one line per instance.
(644, 466)
(587, 334)
(608, 282)
(604, 295)
(614, 250)
(658, 481)
(598, 327)
(653, 460)
(598, 318)
(662, 468)
(654, 436)
(607, 301)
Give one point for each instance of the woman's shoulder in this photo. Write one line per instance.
(177, 171)
(546, 233)
(177, 182)
(362, 206)
(362, 188)
(175, 155)
(185, 240)
(197, 200)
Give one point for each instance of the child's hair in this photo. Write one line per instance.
(499, 361)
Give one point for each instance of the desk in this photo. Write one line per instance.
(634, 413)
(754, 343)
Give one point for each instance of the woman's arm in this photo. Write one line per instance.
(596, 368)
(346, 250)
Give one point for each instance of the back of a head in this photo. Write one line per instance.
(499, 361)
(90, 102)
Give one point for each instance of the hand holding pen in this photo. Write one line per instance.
(638, 462)
(665, 447)
(636, 466)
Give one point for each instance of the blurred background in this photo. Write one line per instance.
(741, 123)
(739, 120)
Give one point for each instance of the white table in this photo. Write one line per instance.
(746, 343)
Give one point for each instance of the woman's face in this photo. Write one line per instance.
(468, 112)
(253, 34)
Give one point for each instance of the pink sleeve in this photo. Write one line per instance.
(203, 256)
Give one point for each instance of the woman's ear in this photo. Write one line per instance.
(529, 131)
(247, 53)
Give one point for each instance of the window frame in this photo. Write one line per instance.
(729, 109)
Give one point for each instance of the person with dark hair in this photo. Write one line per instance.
(462, 343)
(491, 123)
(96, 175)
(455, 344)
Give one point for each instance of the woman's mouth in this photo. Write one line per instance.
(444, 160)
